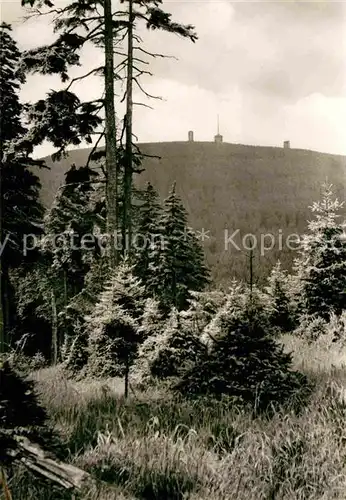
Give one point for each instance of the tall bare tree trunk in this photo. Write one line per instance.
(111, 151)
(127, 206)
(2, 319)
(126, 377)
(2, 324)
(54, 330)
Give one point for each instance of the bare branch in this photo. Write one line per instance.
(142, 104)
(153, 54)
(142, 72)
(145, 92)
(145, 155)
(102, 181)
(94, 148)
(140, 60)
(78, 78)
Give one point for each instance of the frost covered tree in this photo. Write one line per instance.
(240, 304)
(113, 326)
(152, 326)
(168, 351)
(151, 321)
(242, 360)
(321, 265)
(282, 313)
(176, 260)
(203, 306)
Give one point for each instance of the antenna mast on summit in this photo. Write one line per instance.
(218, 138)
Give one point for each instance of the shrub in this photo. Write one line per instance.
(245, 362)
(311, 327)
(167, 353)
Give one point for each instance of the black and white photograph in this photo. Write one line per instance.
(172, 250)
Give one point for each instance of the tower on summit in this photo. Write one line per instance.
(218, 137)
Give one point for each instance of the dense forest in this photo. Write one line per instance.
(126, 370)
(258, 190)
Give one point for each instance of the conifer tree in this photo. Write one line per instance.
(64, 260)
(321, 266)
(168, 351)
(113, 326)
(233, 304)
(203, 306)
(180, 349)
(148, 230)
(176, 261)
(152, 325)
(282, 313)
(20, 210)
(151, 321)
(244, 361)
(70, 219)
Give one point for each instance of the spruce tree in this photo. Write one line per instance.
(321, 266)
(168, 351)
(151, 321)
(147, 231)
(74, 317)
(203, 306)
(282, 310)
(20, 210)
(176, 260)
(63, 262)
(152, 326)
(113, 327)
(243, 361)
(70, 219)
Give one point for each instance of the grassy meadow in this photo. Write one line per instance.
(154, 447)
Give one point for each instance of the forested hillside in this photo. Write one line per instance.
(231, 186)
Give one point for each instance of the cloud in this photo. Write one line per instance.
(285, 49)
(272, 70)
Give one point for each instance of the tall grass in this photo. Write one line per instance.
(152, 446)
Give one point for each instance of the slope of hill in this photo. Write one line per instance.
(229, 188)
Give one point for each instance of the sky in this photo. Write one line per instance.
(272, 71)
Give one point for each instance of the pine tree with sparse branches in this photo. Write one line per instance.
(63, 119)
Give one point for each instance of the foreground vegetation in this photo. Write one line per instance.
(153, 446)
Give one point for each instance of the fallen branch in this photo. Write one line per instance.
(35, 458)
